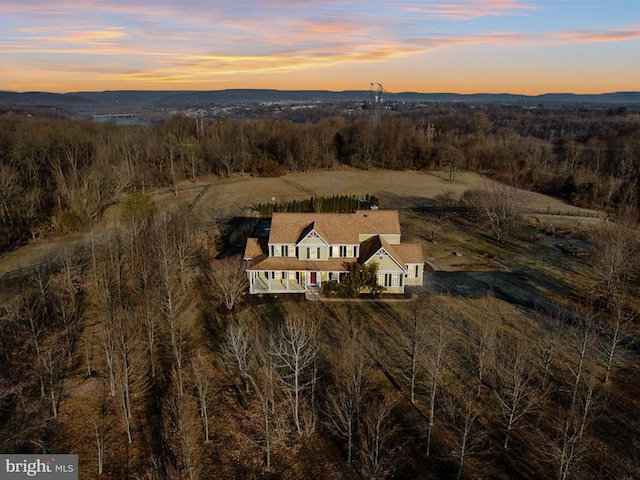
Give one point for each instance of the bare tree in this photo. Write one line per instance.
(108, 342)
(150, 325)
(497, 207)
(581, 343)
(567, 446)
(483, 334)
(263, 380)
(414, 338)
(130, 367)
(547, 343)
(65, 293)
(227, 281)
(201, 378)
(53, 366)
(464, 410)
(172, 298)
(182, 412)
(434, 359)
(453, 158)
(294, 349)
(238, 352)
(514, 389)
(614, 257)
(345, 396)
(100, 447)
(376, 433)
(616, 329)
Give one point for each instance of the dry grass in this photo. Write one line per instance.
(396, 189)
(233, 196)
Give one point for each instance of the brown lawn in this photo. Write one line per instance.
(234, 196)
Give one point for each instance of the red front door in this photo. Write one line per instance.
(313, 278)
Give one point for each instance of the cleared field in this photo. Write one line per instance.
(396, 189)
(233, 196)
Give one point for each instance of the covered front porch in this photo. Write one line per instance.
(288, 281)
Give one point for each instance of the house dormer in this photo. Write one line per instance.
(312, 245)
(377, 249)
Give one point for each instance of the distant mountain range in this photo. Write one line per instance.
(149, 100)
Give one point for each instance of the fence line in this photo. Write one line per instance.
(569, 213)
(576, 212)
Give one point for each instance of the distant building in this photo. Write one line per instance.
(306, 250)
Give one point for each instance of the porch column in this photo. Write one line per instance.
(269, 280)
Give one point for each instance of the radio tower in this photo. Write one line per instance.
(376, 98)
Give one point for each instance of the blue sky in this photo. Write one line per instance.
(466, 46)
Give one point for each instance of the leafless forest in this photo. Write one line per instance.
(139, 350)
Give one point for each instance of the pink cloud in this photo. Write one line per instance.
(465, 10)
(585, 36)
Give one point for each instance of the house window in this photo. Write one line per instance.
(276, 250)
(292, 250)
(277, 275)
(395, 280)
(313, 253)
(381, 279)
(292, 275)
(350, 251)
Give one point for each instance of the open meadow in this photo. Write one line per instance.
(228, 197)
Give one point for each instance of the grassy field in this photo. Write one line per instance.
(396, 189)
(234, 196)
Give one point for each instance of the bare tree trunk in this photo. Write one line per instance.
(346, 395)
(237, 350)
(464, 411)
(376, 434)
(483, 337)
(615, 330)
(514, 385)
(435, 365)
(294, 351)
(582, 343)
(200, 374)
(100, 447)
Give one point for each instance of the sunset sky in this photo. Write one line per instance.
(465, 46)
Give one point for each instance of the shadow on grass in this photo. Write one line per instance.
(508, 286)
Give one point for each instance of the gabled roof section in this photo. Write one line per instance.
(312, 231)
(334, 228)
(254, 250)
(376, 246)
(409, 252)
